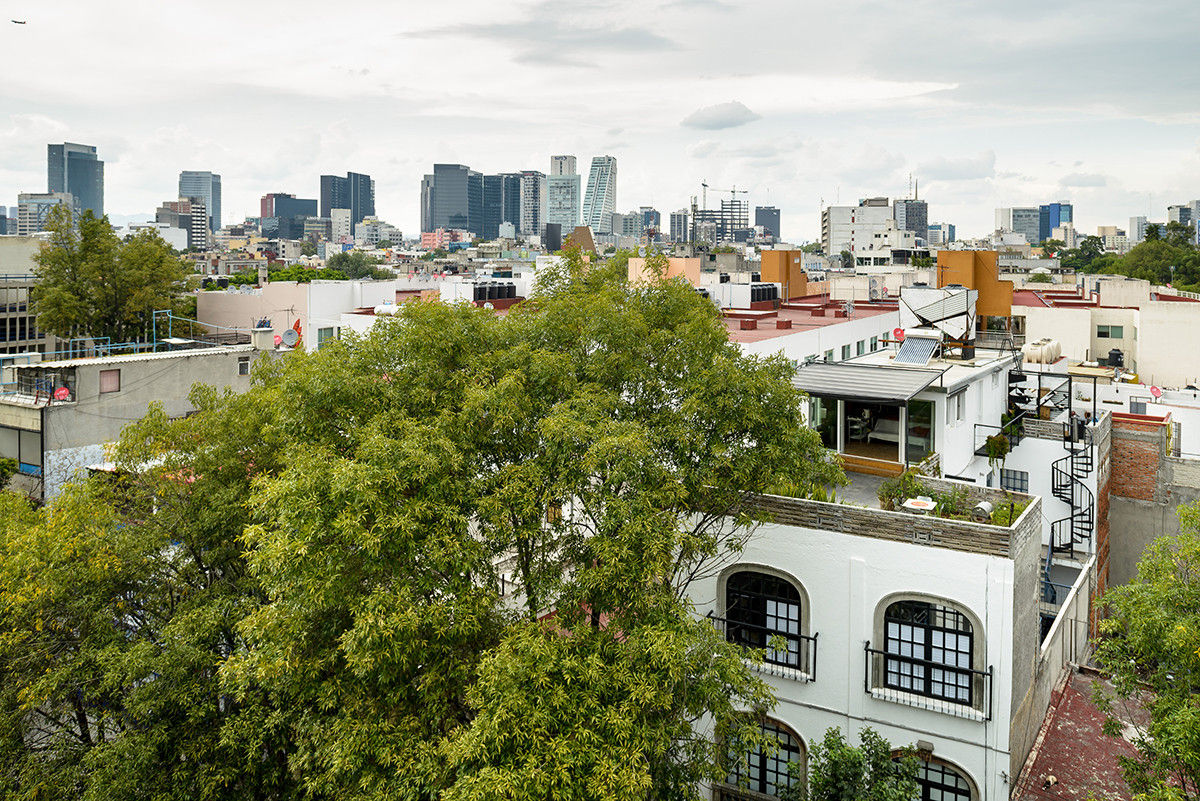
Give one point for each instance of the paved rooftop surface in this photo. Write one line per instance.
(801, 320)
(1073, 748)
(863, 490)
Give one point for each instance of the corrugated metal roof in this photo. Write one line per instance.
(138, 357)
(864, 382)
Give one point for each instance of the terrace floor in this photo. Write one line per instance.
(863, 490)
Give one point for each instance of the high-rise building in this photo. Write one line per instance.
(940, 234)
(651, 218)
(283, 215)
(502, 196)
(355, 192)
(768, 218)
(735, 216)
(1181, 214)
(1024, 220)
(562, 193)
(76, 170)
(912, 215)
(679, 226)
(196, 183)
(851, 228)
(533, 202)
(1051, 216)
(457, 198)
(600, 200)
(426, 202)
(340, 227)
(189, 214)
(33, 209)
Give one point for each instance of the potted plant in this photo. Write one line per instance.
(997, 450)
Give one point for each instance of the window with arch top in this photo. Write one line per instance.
(759, 607)
(766, 772)
(928, 650)
(941, 782)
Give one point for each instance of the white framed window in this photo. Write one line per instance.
(956, 407)
(243, 365)
(845, 352)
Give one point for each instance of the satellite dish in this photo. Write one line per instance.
(489, 305)
(1156, 392)
(290, 337)
(898, 333)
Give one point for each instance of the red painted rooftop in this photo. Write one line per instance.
(1072, 747)
(799, 312)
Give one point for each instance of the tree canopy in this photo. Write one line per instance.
(1150, 648)
(446, 559)
(870, 771)
(356, 264)
(94, 285)
(1167, 256)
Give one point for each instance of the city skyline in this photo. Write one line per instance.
(970, 118)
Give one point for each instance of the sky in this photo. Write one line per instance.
(800, 103)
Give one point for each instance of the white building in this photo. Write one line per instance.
(33, 209)
(600, 200)
(851, 228)
(533, 202)
(341, 225)
(371, 231)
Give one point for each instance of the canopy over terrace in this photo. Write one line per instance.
(870, 411)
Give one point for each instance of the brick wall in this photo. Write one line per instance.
(1139, 448)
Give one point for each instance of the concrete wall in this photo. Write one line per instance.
(816, 341)
(16, 254)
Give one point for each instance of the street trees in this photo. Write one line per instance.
(1150, 649)
(450, 558)
(92, 284)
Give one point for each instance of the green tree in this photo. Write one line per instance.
(298, 272)
(427, 562)
(353, 264)
(1039, 278)
(8, 469)
(92, 284)
(1153, 233)
(812, 247)
(871, 771)
(384, 243)
(1051, 248)
(1150, 648)
(308, 249)
(1080, 259)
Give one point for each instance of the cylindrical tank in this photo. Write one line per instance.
(386, 308)
(1116, 358)
(222, 282)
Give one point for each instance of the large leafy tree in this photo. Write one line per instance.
(94, 285)
(871, 771)
(450, 558)
(1150, 648)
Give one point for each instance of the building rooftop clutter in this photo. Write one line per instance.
(812, 313)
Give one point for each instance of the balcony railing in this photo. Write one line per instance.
(1013, 431)
(967, 692)
(784, 654)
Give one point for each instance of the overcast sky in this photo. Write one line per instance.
(985, 104)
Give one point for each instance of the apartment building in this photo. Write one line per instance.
(851, 228)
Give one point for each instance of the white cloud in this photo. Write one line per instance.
(1084, 179)
(720, 116)
(966, 168)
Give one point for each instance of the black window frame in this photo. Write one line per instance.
(960, 790)
(753, 603)
(1014, 480)
(771, 765)
(919, 671)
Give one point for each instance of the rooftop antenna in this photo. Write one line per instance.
(910, 189)
(916, 189)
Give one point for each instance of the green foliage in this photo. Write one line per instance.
(1052, 247)
(308, 249)
(384, 243)
(8, 469)
(423, 563)
(304, 275)
(353, 264)
(997, 446)
(1009, 512)
(1167, 256)
(1040, 278)
(1150, 649)
(436, 253)
(811, 247)
(871, 771)
(923, 262)
(92, 284)
(895, 491)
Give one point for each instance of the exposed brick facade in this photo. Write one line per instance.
(1138, 450)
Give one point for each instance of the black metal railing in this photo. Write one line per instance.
(783, 653)
(1013, 431)
(968, 688)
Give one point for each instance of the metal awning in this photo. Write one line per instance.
(873, 383)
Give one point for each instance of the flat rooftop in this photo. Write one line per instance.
(799, 312)
(953, 370)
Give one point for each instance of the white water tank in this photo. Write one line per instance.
(386, 308)
(1042, 351)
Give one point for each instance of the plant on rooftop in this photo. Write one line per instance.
(997, 446)
(896, 491)
(1150, 649)
(447, 559)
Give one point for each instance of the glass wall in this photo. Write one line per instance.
(920, 430)
(822, 416)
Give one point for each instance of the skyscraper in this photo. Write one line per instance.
(457, 198)
(533, 202)
(76, 170)
(912, 215)
(1051, 216)
(1023, 220)
(768, 218)
(427, 184)
(196, 183)
(679, 226)
(651, 218)
(562, 193)
(355, 192)
(600, 200)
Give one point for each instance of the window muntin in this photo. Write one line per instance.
(929, 649)
(845, 352)
(1110, 332)
(941, 782)
(874, 344)
(766, 772)
(1014, 480)
(829, 355)
(861, 347)
(758, 607)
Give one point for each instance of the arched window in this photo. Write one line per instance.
(940, 782)
(929, 649)
(759, 607)
(766, 771)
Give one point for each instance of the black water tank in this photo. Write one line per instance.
(510, 290)
(479, 293)
(222, 282)
(205, 282)
(755, 276)
(1116, 358)
(493, 291)
(724, 278)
